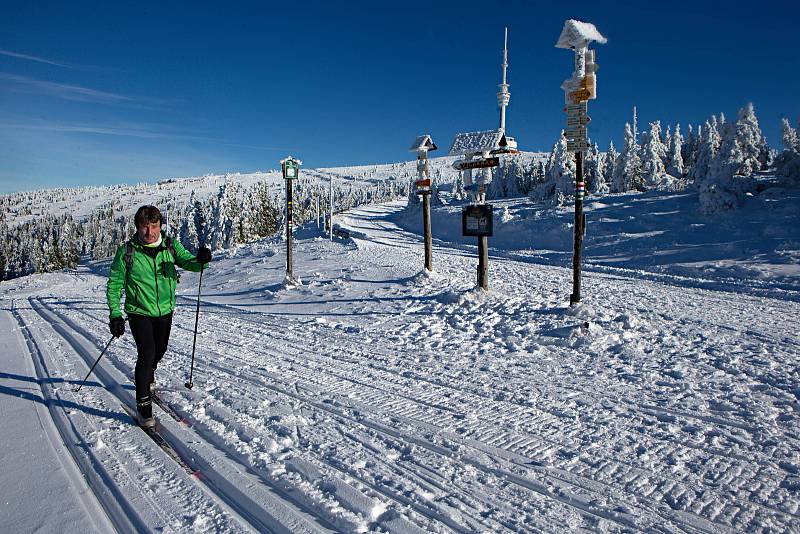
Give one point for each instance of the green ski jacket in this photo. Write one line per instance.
(150, 282)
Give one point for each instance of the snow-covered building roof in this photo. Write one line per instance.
(576, 34)
(423, 141)
(474, 142)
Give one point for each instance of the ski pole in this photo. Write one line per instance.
(190, 384)
(96, 362)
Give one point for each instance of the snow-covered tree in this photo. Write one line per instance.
(653, 170)
(707, 148)
(753, 145)
(192, 232)
(674, 154)
(787, 163)
(595, 172)
(506, 178)
(611, 161)
(457, 187)
(225, 210)
(559, 181)
(737, 158)
(414, 200)
(628, 167)
(4, 246)
(689, 150)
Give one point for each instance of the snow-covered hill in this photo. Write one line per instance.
(80, 202)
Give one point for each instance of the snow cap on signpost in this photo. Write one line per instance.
(423, 143)
(477, 143)
(577, 34)
(582, 85)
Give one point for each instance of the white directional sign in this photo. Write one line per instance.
(578, 132)
(581, 108)
(577, 120)
(577, 145)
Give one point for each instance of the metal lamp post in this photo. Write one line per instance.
(291, 170)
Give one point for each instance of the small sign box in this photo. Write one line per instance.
(290, 168)
(476, 220)
(423, 183)
(478, 164)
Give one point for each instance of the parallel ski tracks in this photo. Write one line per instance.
(627, 476)
(430, 514)
(523, 447)
(342, 413)
(412, 416)
(212, 481)
(106, 494)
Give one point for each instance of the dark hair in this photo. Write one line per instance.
(147, 214)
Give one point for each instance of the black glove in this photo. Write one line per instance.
(203, 255)
(117, 326)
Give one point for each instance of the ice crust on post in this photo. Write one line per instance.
(577, 34)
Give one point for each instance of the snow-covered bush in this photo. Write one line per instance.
(729, 174)
(559, 180)
(654, 174)
(628, 167)
(674, 164)
(595, 172)
(787, 164)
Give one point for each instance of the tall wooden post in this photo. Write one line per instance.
(421, 146)
(426, 223)
(483, 262)
(577, 248)
(578, 90)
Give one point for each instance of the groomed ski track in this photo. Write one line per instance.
(374, 396)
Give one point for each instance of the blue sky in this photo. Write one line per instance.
(112, 92)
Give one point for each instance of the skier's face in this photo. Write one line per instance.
(149, 231)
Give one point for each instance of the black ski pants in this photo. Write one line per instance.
(151, 335)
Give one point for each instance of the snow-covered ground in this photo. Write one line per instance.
(378, 397)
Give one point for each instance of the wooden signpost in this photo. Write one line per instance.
(421, 146)
(485, 163)
(579, 89)
(477, 221)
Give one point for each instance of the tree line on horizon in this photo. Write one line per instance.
(233, 216)
(719, 159)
